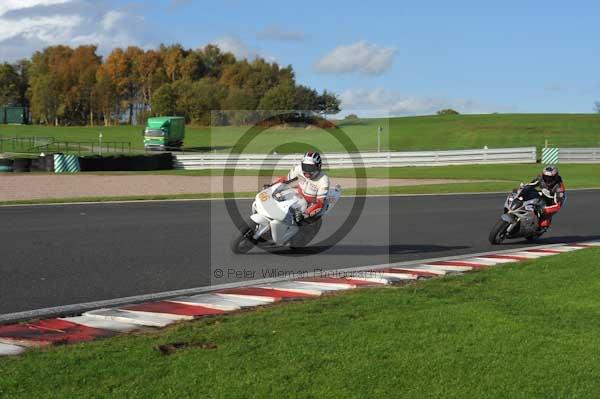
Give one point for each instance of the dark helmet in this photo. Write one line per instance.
(311, 164)
(550, 175)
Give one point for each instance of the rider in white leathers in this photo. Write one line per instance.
(313, 186)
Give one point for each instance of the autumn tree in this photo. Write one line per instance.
(64, 85)
(151, 74)
(83, 65)
(105, 99)
(172, 57)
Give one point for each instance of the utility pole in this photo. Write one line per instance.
(379, 131)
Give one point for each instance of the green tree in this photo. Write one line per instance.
(164, 100)
(239, 106)
(306, 99)
(50, 80)
(279, 98)
(448, 111)
(192, 67)
(328, 104)
(22, 67)
(45, 100)
(198, 99)
(9, 84)
(215, 60)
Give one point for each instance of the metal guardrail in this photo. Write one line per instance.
(579, 155)
(36, 145)
(369, 160)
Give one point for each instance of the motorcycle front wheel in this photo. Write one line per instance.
(498, 233)
(242, 242)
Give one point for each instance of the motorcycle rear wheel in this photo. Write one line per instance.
(534, 237)
(498, 233)
(306, 234)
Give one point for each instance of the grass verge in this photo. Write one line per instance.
(399, 134)
(523, 330)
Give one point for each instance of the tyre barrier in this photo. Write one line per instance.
(21, 165)
(43, 163)
(126, 163)
(6, 165)
(49, 163)
(66, 163)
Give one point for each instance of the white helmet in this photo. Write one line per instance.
(311, 164)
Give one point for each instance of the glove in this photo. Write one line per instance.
(298, 217)
(280, 179)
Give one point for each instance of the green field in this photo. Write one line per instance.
(520, 331)
(400, 134)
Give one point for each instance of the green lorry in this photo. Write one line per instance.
(164, 133)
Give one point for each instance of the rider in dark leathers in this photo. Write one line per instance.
(550, 183)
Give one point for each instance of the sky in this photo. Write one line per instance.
(380, 57)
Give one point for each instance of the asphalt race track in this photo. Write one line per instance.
(65, 254)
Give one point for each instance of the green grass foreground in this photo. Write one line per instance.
(523, 330)
(400, 134)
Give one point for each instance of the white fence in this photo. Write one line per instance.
(579, 155)
(369, 160)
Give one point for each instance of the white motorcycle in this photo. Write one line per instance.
(272, 221)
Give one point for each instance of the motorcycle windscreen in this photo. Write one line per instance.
(529, 193)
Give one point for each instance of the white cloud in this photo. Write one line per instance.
(30, 25)
(111, 19)
(360, 57)
(45, 29)
(238, 48)
(382, 102)
(276, 33)
(12, 5)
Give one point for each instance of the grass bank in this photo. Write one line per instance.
(400, 134)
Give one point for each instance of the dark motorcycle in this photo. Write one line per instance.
(522, 211)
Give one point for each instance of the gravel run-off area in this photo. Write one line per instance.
(15, 187)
